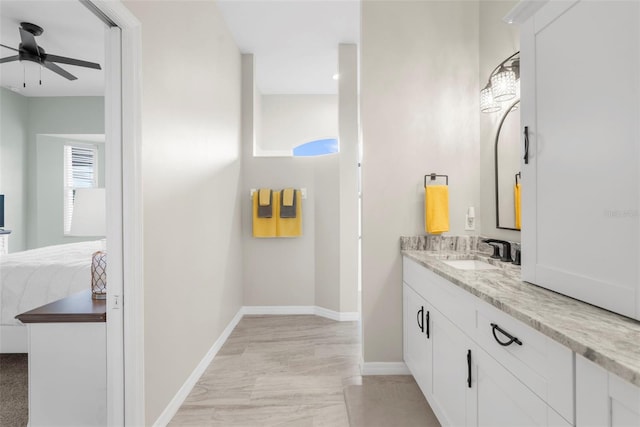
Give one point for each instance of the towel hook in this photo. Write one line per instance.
(433, 178)
(519, 174)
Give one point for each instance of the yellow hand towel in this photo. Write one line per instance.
(287, 198)
(288, 227)
(436, 208)
(265, 197)
(516, 198)
(263, 227)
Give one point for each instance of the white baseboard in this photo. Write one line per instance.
(278, 309)
(179, 398)
(384, 368)
(301, 309)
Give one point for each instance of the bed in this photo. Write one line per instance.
(36, 277)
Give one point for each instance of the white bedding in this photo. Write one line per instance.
(36, 277)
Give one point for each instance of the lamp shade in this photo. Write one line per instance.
(89, 212)
(503, 84)
(487, 103)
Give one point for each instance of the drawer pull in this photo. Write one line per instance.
(512, 339)
(421, 319)
(469, 368)
(427, 322)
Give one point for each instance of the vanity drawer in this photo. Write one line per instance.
(453, 302)
(542, 364)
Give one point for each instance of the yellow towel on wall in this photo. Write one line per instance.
(288, 227)
(265, 198)
(264, 227)
(287, 199)
(516, 198)
(436, 207)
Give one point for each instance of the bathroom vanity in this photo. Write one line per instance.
(488, 349)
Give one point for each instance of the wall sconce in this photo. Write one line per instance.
(503, 84)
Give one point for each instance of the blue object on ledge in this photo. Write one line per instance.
(318, 147)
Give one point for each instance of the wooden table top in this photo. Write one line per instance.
(76, 308)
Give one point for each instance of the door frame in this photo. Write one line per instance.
(125, 335)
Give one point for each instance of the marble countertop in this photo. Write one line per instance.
(608, 339)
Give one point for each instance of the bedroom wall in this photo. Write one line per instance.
(419, 109)
(54, 116)
(13, 165)
(49, 167)
(191, 174)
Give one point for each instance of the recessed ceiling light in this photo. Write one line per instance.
(336, 76)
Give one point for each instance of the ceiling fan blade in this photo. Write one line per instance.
(71, 61)
(9, 47)
(8, 59)
(53, 67)
(28, 41)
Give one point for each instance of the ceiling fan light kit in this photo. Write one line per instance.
(28, 50)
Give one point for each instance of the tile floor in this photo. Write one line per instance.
(299, 371)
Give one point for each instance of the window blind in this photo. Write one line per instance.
(79, 172)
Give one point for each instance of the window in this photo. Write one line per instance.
(80, 171)
(318, 147)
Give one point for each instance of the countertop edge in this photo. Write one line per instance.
(605, 361)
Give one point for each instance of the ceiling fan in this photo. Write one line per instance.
(29, 50)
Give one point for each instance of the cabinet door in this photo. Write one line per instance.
(504, 401)
(453, 376)
(417, 337)
(603, 399)
(580, 189)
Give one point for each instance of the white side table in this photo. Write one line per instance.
(68, 362)
(4, 241)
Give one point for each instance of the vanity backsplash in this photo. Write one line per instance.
(450, 243)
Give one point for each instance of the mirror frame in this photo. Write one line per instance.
(495, 162)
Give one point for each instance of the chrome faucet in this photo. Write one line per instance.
(506, 249)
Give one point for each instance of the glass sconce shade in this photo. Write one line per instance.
(503, 84)
(487, 102)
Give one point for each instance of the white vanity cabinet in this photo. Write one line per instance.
(469, 378)
(417, 342)
(580, 103)
(604, 399)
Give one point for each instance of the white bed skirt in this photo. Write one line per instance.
(13, 339)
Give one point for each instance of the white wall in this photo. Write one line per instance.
(312, 269)
(419, 112)
(498, 41)
(278, 271)
(51, 116)
(290, 120)
(13, 165)
(49, 175)
(191, 172)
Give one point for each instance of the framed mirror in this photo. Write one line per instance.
(507, 167)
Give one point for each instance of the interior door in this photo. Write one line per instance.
(113, 177)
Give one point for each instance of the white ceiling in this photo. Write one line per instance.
(70, 30)
(294, 42)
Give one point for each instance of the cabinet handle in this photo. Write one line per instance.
(421, 319)
(512, 339)
(526, 145)
(469, 368)
(427, 322)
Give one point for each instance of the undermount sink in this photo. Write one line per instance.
(470, 264)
